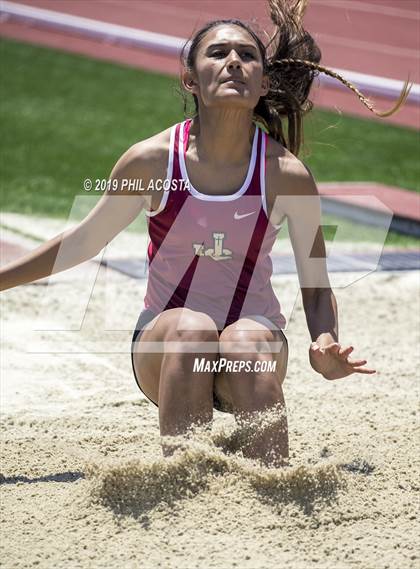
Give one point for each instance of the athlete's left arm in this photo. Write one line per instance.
(302, 205)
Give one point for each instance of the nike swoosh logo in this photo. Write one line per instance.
(238, 216)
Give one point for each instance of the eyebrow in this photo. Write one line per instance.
(248, 45)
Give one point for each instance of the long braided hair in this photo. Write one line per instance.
(291, 61)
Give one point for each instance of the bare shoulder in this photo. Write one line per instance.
(286, 178)
(146, 160)
(286, 174)
(154, 148)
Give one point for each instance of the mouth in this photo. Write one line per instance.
(235, 81)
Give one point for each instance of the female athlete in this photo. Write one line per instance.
(234, 179)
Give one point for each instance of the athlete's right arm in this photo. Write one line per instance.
(113, 213)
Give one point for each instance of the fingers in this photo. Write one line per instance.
(364, 370)
(346, 351)
(316, 348)
(355, 366)
(337, 350)
(334, 346)
(357, 362)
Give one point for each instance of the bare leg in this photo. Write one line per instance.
(186, 396)
(257, 396)
(268, 438)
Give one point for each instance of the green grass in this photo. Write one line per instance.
(66, 117)
(343, 148)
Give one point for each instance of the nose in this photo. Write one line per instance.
(234, 61)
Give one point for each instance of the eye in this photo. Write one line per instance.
(219, 53)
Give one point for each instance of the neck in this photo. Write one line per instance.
(223, 135)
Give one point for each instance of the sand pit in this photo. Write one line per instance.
(84, 483)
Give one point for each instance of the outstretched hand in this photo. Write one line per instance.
(332, 361)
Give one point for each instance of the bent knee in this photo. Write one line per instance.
(191, 326)
(248, 342)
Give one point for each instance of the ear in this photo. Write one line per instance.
(265, 85)
(189, 83)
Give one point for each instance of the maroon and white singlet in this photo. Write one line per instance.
(211, 253)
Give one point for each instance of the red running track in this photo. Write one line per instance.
(377, 37)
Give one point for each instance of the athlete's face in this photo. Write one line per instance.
(228, 70)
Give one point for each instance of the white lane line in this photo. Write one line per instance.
(369, 46)
(354, 5)
(381, 86)
(172, 45)
(104, 30)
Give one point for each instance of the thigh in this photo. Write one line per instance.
(147, 351)
(241, 329)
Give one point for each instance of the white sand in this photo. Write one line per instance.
(84, 483)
